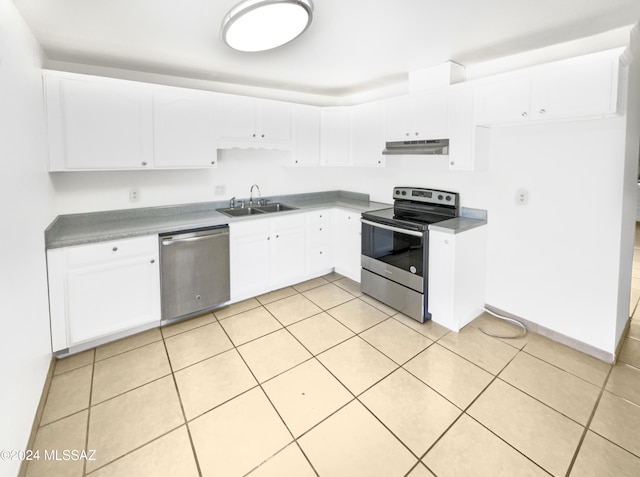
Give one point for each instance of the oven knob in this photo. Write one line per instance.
(440, 197)
(404, 192)
(397, 192)
(448, 198)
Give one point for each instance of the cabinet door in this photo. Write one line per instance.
(274, 121)
(184, 129)
(430, 115)
(99, 125)
(573, 88)
(441, 284)
(236, 118)
(461, 127)
(249, 248)
(111, 287)
(347, 247)
(288, 251)
(503, 100)
(335, 136)
(367, 138)
(398, 121)
(306, 135)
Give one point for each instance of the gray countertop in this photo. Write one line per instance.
(78, 229)
(457, 225)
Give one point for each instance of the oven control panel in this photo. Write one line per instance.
(428, 196)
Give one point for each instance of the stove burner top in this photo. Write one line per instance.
(415, 208)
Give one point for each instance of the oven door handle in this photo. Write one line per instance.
(393, 229)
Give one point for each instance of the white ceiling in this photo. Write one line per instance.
(351, 46)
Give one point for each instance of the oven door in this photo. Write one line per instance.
(395, 253)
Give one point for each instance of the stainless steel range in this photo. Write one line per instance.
(395, 248)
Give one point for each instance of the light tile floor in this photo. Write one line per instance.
(317, 379)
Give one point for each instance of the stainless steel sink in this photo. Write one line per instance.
(240, 211)
(275, 207)
(263, 209)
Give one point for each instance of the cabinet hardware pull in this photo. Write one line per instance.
(453, 163)
(115, 249)
(524, 114)
(542, 111)
(213, 162)
(262, 135)
(254, 135)
(153, 260)
(144, 163)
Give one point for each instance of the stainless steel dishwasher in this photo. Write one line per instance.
(194, 268)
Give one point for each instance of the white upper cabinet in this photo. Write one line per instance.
(335, 136)
(184, 125)
(461, 128)
(98, 124)
(503, 100)
(582, 87)
(306, 135)
(243, 120)
(417, 116)
(109, 124)
(367, 134)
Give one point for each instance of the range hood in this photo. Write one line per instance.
(427, 146)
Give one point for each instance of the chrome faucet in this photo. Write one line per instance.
(251, 195)
(232, 202)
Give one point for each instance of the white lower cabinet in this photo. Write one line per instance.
(97, 290)
(266, 254)
(457, 273)
(274, 252)
(319, 238)
(347, 244)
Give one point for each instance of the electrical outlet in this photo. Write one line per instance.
(220, 189)
(134, 195)
(522, 197)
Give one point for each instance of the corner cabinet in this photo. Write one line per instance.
(243, 121)
(367, 135)
(99, 290)
(266, 254)
(335, 136)
(306, 135)
(98, 124)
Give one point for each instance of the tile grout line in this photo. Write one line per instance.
(86, 439)
(588, 424)
(259, 384)
(184, 416)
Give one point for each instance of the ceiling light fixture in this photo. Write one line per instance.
(259, 25)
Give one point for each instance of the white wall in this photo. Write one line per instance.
(237, 170)
(26, 199)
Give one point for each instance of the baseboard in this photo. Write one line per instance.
(623, 337)
(559, 337)
(39, 411)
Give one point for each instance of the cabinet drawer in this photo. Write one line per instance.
(318, 234)
(321, 216)
(319, 258)
(100, 252)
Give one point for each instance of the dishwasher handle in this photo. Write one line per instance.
(195, 237)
